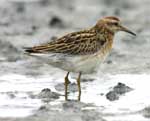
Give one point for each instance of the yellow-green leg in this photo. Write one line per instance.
(66, 86)
(79, 87)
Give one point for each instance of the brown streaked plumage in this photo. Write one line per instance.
(76, 43)
(82, 51)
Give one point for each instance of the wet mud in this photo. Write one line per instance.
(31, 90)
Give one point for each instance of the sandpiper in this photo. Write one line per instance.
(80, 52)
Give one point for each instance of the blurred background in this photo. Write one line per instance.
(26, 23)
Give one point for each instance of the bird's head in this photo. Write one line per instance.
(113, 24)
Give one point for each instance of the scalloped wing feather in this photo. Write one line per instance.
(76, 43)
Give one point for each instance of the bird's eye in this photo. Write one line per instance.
(116, 23)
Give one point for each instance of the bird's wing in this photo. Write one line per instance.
(76, 43)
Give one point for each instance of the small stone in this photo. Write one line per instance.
(112, 96)
(146, 112)
(48, 94)
(34, 27)
(11, 95)
(109, 62)
(122, 88)
(87, 80)
(44, 2)
(46, 90)
(56, 22)
(117, 12)
(20, 7)
(117, 91)
(101, 94)
(42, 108)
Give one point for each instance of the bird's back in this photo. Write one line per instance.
(77, 43)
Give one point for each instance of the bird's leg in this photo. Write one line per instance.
(79, 87)
(66, 86)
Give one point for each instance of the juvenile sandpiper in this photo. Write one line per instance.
(80, 52)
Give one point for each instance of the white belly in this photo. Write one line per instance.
(87, 64)
(84, 64)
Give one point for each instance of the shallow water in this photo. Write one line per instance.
(15, 91)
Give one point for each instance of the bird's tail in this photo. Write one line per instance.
(29, 50)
